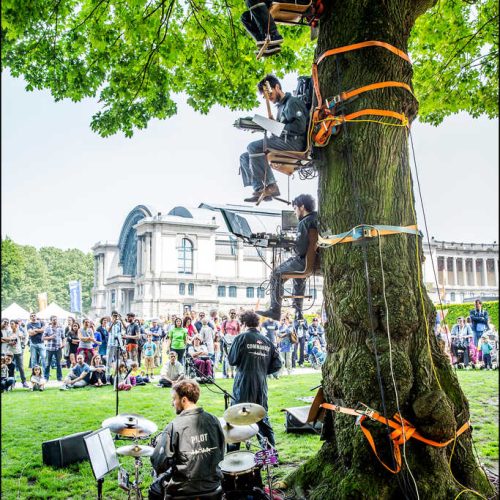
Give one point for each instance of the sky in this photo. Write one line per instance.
(65, 186)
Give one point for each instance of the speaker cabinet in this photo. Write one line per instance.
(66, 450)
(293, 424)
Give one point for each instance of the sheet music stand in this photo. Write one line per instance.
(102, 455)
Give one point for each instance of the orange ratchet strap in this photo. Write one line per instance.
(348, 48)
(404, 430)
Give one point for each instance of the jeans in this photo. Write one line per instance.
(286, 359)
(18, 360)
(301, 348)
(112, 353)
(57, 355)
(487, 361)
(37, 355)
(277, 285)
(254, 167)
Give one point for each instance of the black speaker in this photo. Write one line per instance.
(292, 424)
(66, 450)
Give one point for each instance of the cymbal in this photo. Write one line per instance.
(130, 425)
(244, 413)
(237, 433)
(135, 450)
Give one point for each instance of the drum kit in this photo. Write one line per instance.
(241, 469)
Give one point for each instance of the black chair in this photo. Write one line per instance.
(211, 495)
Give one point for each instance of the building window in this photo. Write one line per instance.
(261, 292)
(314, 293)
(449, 264)
(182, 288)
(185, 257)
(452, 296)
(440, 263)
(232, 291)
(113, 296)
(250, 292)
(221, 291)
(191, 289)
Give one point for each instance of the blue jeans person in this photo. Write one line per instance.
(57, 355)
(37, 352)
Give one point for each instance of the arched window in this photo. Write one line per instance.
(185, 257)
(221, 291)
(232, 291)
(250, 292)
(191, 289)
(182, 288)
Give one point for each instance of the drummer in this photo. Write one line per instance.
(255, 357)
(188, 451)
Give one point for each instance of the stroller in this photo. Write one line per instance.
(192, 372)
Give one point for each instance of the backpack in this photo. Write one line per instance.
(304, 91)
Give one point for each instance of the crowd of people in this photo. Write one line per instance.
(472, 342)
(129, 350)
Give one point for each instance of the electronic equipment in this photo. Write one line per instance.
(65, 450)
(289, 221)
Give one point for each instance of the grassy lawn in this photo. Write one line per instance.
(28, 419)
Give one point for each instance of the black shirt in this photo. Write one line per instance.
(133, 329)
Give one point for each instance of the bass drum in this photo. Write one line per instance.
(241, 476)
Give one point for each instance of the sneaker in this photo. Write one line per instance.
(25, 385)
(63, 388)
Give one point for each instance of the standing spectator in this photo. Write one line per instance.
(141, 340)
(199, 323)
(78, 376)
(156, 332)
(479, 320)
(316, 330)
(149, 350)
(207, 336)
(190, 328)
(97, 372)
(115, 342)
(102, 329)
(7, 376)
(55, 341)
(37, 347)
(131, 337)
(177, 340)
(16, 350)
(270, 327)
(301, 330)
(5, 336)
(171, 371)
(285, 344)
(72, 340)
(486, 348)
(229, 329)
(37, 379)
(86, 344)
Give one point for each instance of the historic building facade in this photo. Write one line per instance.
(187, 258)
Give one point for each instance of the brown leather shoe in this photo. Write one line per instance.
(271, 190)
(253, 199)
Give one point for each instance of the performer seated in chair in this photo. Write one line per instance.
(259, 23)
(255, 169)
(187, 453)
(303, 206)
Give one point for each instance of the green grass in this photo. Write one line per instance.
(28, 419)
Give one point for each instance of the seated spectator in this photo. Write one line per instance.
(202, 361)
(7, 377)
(486, 348)
(317, 351)
(97, 372)
(123, 378)
(78, 376)
(37, 380)
(171, 372)
(134, 373)
(461, 339)
(72, 361)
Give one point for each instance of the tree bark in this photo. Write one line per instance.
(364, 177)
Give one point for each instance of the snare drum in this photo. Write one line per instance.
(240, 474)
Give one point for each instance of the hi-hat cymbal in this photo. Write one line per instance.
(130, 425)
(244, 414)
(237, 433)
(135, 450)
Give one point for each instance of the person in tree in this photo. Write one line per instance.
(254, 167)
(255, 357)
(303, 206)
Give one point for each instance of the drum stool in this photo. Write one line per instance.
(211, 495)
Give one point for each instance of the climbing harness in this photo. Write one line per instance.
(403, 431)
(363, 231)
(326, 119)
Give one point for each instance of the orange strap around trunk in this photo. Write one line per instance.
(348, 48)
(344, 96)
(403, 431)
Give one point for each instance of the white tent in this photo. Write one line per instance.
(54, 310)
(15, 311)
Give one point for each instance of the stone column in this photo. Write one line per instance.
(102, 270)
(474, 273)
(147, 240)
(484, 273)
(455, 273)
(139, 255)
(495, 264)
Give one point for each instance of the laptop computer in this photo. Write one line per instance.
(289, 221)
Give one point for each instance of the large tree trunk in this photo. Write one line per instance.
(365, 178)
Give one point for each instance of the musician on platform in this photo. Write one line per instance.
(187, 453)
(254, 167)
(255, 357)
(303, 206)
